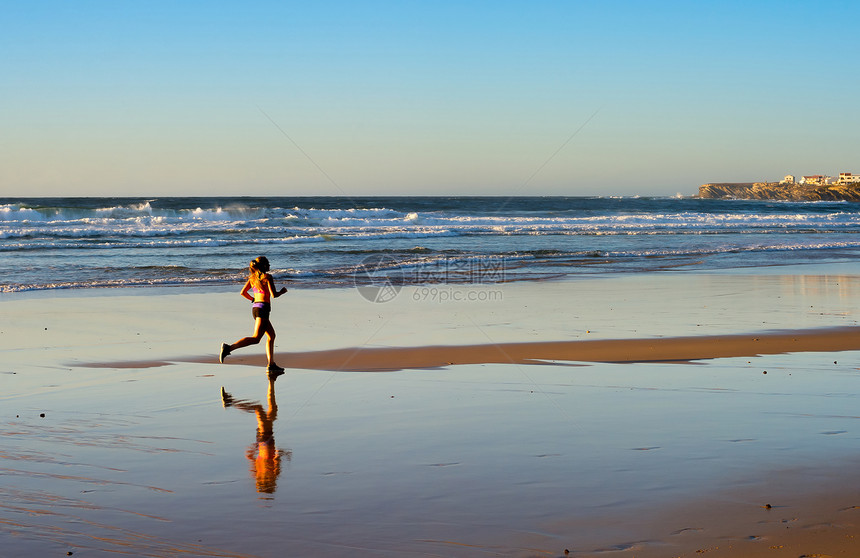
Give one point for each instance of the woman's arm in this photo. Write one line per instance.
(245, 290)
(272, 289)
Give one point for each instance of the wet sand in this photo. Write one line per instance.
(673, 349)
(641, 416)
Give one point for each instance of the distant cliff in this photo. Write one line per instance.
(777, 191)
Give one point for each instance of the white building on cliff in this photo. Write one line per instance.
(822, 180)
(817, 179)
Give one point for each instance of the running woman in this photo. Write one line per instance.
(262, 285)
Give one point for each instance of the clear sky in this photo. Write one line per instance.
(139, 98)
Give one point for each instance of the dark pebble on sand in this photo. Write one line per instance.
(765, 372)
(42, 415)
(767, 506)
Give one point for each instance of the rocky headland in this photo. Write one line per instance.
(779, 191)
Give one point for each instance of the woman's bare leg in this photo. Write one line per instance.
(259, 329)
(262, 326)
(270, 344)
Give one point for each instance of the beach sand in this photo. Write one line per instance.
(652, 415)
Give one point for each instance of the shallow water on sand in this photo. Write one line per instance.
(511, 460)
(415, 463)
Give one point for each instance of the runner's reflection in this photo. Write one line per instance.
(264, 456)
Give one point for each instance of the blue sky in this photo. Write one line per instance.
(413, 98)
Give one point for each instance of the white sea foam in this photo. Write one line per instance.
(13, 212)
(138, 242)
(143, 215)
(122, 212)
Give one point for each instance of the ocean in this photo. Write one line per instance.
(321, 242)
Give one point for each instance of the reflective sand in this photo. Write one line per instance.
(657, 459)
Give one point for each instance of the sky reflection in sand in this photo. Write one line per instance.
(453, 461)
(470, 454)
